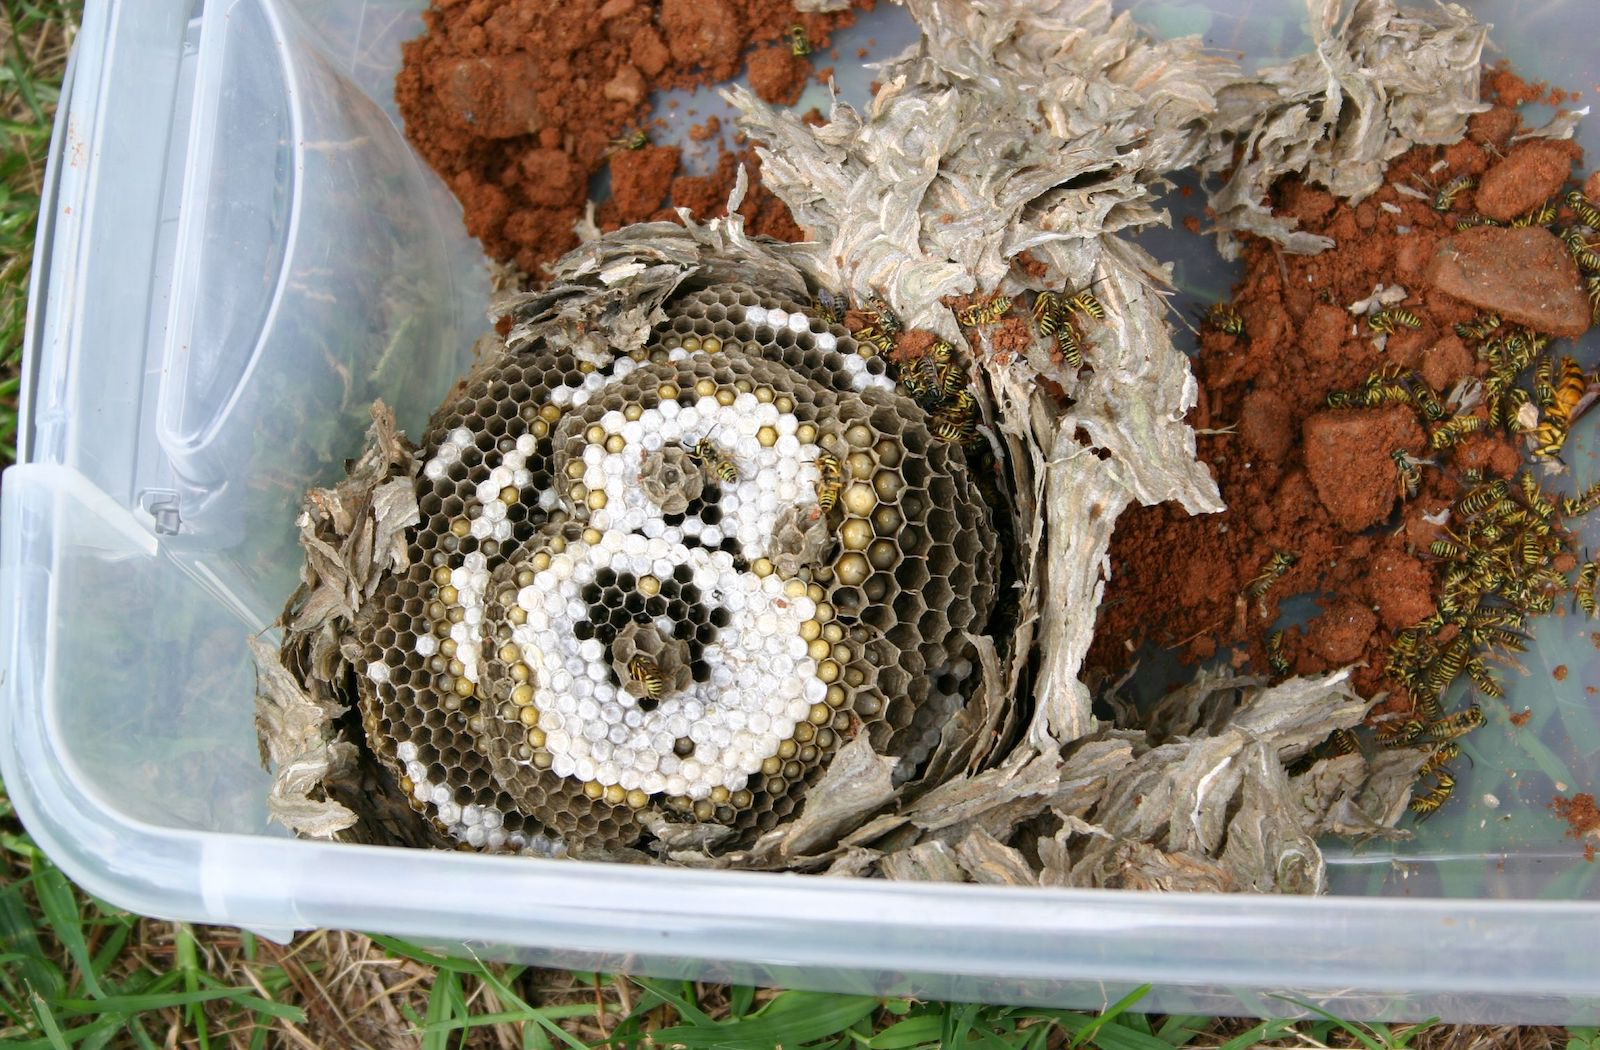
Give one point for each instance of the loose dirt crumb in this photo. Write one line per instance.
(1400, 587)
(778, 75)
(710, 128)
(1520, 719)
(706, 197)
(640, 180)
(1528, 176)
(1524, 275)
(1559, 672)
(1340, 635)
(911, 345)
(1580, 813)
(1030, 266)
(1347, 455)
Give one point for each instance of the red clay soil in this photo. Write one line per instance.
(518, 103)
(1524, 275)
(1537, 169)
(1580, 813)
(1298, 477)
(778, 75)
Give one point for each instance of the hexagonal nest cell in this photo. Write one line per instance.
(668, 585)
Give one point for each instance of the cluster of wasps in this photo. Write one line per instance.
(1059, 314)
(1499, 555)
(935, 380)
(937, 383)
(1561, 389)
(879, 334)
(1445, 200)
(1579, 239)
(711, 460)
(1396, 385)
(1498, 572)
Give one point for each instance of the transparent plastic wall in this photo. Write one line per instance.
(239, 252)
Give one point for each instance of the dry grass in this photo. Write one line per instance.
(1493, 1037)
(348, 991)
(351, 992)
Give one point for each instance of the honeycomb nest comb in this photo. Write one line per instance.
(583, 507)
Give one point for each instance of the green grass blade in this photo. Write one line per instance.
(664, 994)
(1137, 1022)
(1360, 1033)
(47, 1021)
(989, 1040)
(122, 926)
(549, 1026)
(922, 1030)
(1101, 1030)
(539, 1016)
(1412, 1031)
(1264, 1032)
(514, 1016)
(60, 907)
(439, 1010)
(1117, 1036)
(243, 998)
(792, 1019)
(1180, 1029)
(18, 933)
(411, 1016)
(142, 1037)
(1110, 1014)
(188, 959)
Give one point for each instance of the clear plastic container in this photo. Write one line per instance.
(238, 252)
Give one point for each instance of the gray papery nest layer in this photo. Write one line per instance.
(1038, 126)
(1379, 80)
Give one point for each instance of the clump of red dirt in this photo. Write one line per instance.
(518, 104)
(1582, 817)
(1319, 483)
